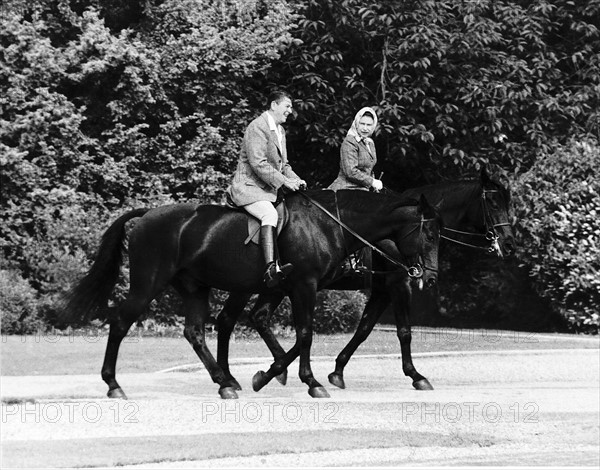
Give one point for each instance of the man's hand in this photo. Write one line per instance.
(293, 184)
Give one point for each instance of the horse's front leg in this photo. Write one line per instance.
(260, 316)
(401, 300)
(303, 305)
(376, 305)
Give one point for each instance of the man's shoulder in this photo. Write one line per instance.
(260, 121)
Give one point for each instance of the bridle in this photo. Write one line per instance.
(415, 271)
(491, 236)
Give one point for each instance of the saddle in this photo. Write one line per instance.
(254, 223)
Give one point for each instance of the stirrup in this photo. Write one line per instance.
(274, 273)
(352, 266)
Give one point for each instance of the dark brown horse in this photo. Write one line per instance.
(475, 214)
(196, 248)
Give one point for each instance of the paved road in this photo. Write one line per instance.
(508, 408)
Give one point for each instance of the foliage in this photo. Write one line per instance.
(493, 294)
(456, 84)
(335, 312)
(18, 304)
(107, 105)
(96, 120)
(558, 207)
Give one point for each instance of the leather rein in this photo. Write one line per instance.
(490, 227)
(414, 271)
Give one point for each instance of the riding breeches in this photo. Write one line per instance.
(264, 211)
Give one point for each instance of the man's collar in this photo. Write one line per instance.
(271, 122)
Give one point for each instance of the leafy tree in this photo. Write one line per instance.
(557, 208)
(97, 119)
(456, 84)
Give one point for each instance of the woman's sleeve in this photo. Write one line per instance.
(349, 164)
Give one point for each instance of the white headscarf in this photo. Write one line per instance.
(353, 129)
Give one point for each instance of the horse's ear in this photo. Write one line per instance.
(424, 206)
(484, 175)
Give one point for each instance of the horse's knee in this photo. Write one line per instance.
(305, 335)
(364, 330)
(194, 334)
(405, 336)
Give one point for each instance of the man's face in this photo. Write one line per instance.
(281, 110)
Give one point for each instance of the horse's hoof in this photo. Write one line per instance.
(337, 380)
(228, 393)
(282, 378)
(234, 384)
(117, 393)
(318, 392)
(422, 384)
(259, 380)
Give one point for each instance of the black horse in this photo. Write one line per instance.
(475, 214)
(196, 248)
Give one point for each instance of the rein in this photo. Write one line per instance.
(491, 236)
(413, 271)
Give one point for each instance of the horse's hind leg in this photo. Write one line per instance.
(226, 320)
(128, 312)
(196, 312)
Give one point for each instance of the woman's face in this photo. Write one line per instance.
(365, 126)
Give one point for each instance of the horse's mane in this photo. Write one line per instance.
(443, 187)
(360, 200)
(447, 187)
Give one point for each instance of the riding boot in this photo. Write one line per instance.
(274, 273)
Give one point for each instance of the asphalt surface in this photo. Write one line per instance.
(532, 408)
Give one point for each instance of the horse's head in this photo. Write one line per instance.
(495, 200)
(418, 243)
(488, 213)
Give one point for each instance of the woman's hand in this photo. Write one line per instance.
(377, 185)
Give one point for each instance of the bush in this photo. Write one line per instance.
(18, 304)
(335, 312)
(558, 207)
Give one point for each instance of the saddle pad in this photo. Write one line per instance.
(254, 224)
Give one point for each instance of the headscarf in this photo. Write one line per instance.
(353, 131)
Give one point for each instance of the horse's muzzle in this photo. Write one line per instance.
(509, 248)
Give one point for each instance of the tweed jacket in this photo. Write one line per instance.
(357, 159)
(262, 166)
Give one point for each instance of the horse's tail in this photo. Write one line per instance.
(91, 293)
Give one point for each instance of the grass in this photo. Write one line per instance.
(49, 354)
